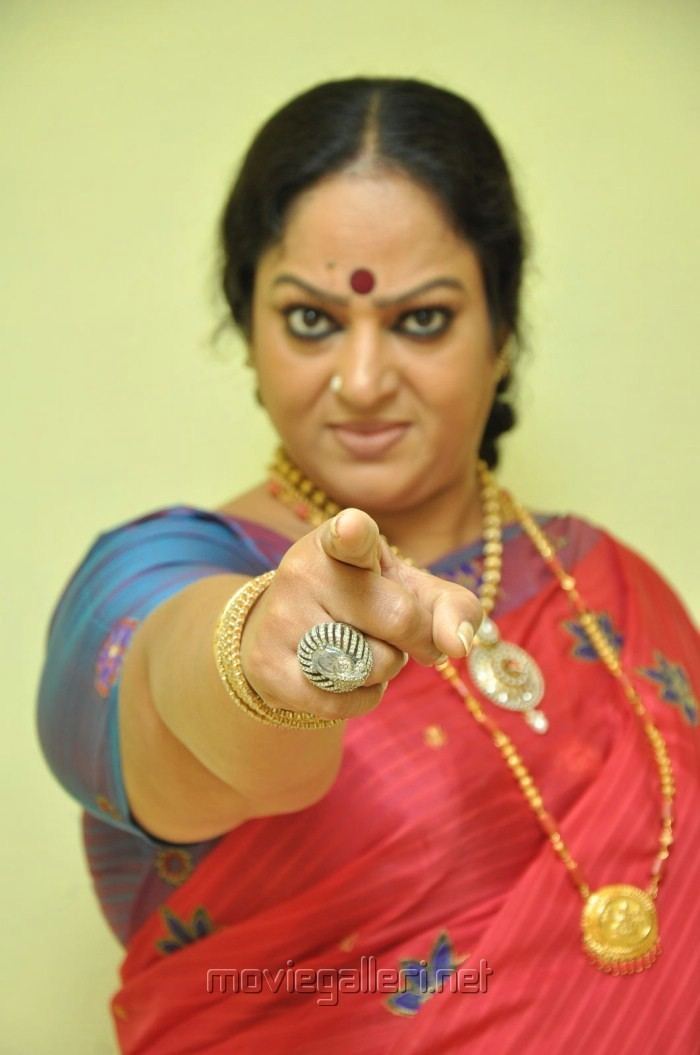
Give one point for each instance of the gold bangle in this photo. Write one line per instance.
(227, 653)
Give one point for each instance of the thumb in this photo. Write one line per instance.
(352, 537)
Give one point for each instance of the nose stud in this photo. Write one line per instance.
(335, 384)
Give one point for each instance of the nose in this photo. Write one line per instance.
(365, 367)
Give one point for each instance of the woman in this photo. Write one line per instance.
(287, 803)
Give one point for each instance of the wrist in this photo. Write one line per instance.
(227, 653)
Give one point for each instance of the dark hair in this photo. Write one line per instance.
(434, 136)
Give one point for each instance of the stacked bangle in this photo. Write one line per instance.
(227, 653)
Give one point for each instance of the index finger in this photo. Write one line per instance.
(353, 538)
(456, 612)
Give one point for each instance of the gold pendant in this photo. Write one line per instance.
(620, 929)
(507, 675)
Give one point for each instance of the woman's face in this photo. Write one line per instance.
(415, 356)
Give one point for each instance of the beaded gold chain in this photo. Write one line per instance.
(507, 675)
(619, 921)
(308, 502)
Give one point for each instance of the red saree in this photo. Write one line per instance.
(425, 850)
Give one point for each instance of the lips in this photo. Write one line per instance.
(369, 439)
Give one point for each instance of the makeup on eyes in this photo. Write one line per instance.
(422, 323)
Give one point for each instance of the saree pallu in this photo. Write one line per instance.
(425, 855)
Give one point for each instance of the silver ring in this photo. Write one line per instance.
(335, 657)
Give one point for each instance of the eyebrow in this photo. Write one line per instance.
(379, 302)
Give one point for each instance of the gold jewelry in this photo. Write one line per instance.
(504, 672)
(227, 653)
(619, 923)
(335, 384)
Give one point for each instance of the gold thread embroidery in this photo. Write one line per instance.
(174, 865)
(434, 736)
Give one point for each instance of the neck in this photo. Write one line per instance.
(463, 511)
(444, 522)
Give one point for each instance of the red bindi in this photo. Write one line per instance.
(362, 280)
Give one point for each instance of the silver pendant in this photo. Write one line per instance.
(507, 675)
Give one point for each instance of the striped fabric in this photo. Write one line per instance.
(424, 851)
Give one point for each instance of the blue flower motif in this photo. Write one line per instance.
(467, 574)
(182, 933)
(583, 649)
(421, 979)
(674, 687)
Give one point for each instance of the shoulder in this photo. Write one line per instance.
(142, 558)
(616, 577)
(580, 541)
(608, 565)
(582, 537)
(573, 537)
(191, 525)
(169, 536)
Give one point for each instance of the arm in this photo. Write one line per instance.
(195, 764)
(216, 765)
(93, 649)
(151, 742)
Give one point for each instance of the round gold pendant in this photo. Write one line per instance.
(620, 929)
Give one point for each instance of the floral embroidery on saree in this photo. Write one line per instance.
(181, 933)
(583, 649)
(419, 980)
(673, 686)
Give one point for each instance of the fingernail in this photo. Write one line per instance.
(465, 633)
(406, 658)
(334, 524)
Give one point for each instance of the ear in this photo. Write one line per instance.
(502, 338)
(502, 363)
(502, 366)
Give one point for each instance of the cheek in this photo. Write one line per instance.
(268, 358)
(455, 383)
(460, 403)
(290, 388)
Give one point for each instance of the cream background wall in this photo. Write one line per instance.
(122, 126)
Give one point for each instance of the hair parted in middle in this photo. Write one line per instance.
(435, 137)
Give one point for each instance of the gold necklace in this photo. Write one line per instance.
(505, 673)
(619, 923)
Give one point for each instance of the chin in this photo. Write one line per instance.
(375, 486)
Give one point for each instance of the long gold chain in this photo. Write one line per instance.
(620, 930)
(308, 502)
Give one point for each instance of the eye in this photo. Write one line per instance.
(309, 323)
(425, 322)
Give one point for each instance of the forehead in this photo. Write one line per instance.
(384, 222)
